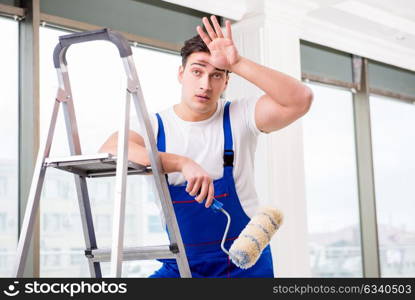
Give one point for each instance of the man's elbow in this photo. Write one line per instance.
(108, 147)
(306, 99)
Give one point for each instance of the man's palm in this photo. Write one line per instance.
(223, 53)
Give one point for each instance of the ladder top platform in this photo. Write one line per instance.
(94, 165)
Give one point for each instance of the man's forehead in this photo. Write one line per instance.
(202, 60)
(199, 55)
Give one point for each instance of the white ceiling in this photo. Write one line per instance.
(401, 8)
(382, 30)
(391, 20)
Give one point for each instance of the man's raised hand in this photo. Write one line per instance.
(223, 53)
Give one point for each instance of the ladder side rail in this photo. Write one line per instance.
(35, 191)
(160, 181)
(120, 190)
(80, 181)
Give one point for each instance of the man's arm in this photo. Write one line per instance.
(138, 153)
(199, 181)
(285, 100)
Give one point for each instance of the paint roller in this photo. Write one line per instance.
(247, 248)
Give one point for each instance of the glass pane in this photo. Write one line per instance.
(98, 84)
(325, 62)
(174, 24)
(9, 51)
(391, 78)
(331, 184)
(393, 141)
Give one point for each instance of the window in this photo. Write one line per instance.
(77, 256)
(51, 258)
(154, 224)
(101, 190)
(3, 222)
(75, 221)
(51, 223)
(130, 222)
(331, 184)
(393, 144)
(3, 187)
(98, 84)
(9, 51)
(4, 262)
(63, 190)
(103, 223)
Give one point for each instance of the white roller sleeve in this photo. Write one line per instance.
(247, 248)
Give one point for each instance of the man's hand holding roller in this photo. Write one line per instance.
(198, 181)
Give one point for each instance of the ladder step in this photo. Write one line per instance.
(134, 253)
(94, 165)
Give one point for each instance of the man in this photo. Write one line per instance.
(207, 147)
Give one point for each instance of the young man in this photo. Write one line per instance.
(207, 147)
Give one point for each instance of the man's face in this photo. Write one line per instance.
(202, 83)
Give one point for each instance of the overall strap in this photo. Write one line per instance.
(161, 137)
(227, 132)
(161, 140)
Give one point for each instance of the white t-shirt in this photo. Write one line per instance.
(203, 141)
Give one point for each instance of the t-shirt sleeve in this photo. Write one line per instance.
(247, 109)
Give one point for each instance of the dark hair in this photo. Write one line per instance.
(195, 44)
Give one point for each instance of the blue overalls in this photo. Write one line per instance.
(202, 228)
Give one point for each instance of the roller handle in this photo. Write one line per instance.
(216, 205)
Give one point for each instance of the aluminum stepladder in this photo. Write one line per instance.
(100, 165)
